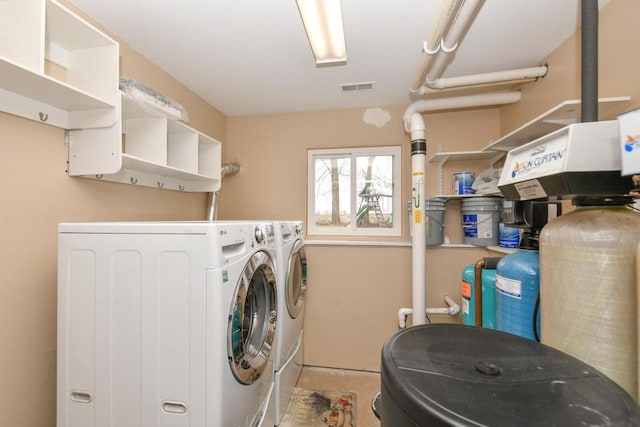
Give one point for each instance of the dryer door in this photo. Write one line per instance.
(296, 279)
(252, 320)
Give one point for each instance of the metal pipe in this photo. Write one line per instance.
(477, 289)
(212, 204)
(589, 61)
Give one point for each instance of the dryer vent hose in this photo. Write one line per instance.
(212, 209)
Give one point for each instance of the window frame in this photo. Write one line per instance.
(395, 151)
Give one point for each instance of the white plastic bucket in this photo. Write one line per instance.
(480, 218)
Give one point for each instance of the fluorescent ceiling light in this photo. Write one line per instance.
(323, 22)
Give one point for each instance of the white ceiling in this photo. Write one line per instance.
(252, 56)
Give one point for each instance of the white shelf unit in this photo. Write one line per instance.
(563, 114)
(148, 151)
(443, 157)
(55, 67)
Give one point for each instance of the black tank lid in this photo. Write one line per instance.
(462, 375)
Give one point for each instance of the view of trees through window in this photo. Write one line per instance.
(354, 190)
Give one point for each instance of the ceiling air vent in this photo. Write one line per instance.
(354, 87)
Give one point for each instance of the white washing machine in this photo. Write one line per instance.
(291, 269)
(166, 323)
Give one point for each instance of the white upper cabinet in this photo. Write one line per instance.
(55, 67)
(147, 150)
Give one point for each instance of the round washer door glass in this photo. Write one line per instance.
(252, 320)
(296, 279)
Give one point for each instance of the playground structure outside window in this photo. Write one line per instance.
(354, 191)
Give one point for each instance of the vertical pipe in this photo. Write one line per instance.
(214, 196)
(477, 290)
(418, 228)
(589, 61)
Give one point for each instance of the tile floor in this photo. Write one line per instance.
(364, 384)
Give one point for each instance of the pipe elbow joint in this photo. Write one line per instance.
(402, 317)
(438, 84)
(414, 124)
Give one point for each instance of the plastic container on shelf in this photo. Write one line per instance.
(434, 209)
(509, 237)
(434, 221)
(462, 182)
(480, 218)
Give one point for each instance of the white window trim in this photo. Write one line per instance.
(395, 230)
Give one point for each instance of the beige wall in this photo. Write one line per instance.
(354, 292)
(36, 195)
(618, 68)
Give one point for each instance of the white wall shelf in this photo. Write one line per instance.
(502, 250)
(566, 113)
(467, 196)
(55, 67)
(148, 151)
(443, 157)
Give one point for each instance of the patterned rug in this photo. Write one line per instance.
(310, 408)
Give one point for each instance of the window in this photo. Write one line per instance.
(354, 191)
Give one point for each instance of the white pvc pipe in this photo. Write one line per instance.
(414, 123)
(403, 313)
(453, 22)
(522, 74)
(459, 27)
(495, 87)
(414, 120)
(452, 309)
(418, 233)
(448, 11)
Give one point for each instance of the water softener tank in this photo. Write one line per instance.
(589, 287)
(488, 293)
(518, 289)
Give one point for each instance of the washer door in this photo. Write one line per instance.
(296, 279)
(252, 320)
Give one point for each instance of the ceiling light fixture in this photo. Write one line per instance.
(323, 23)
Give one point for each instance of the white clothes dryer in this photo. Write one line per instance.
(291, 269)
(165, 323)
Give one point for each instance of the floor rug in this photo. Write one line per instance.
(311, 408)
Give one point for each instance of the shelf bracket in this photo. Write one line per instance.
(440, 170)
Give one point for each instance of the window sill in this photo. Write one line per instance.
(399, 244)
(384, 243)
